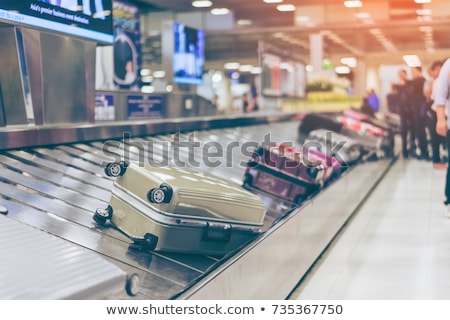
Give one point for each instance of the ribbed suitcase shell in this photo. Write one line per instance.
(285, 172)
(350, 152)
(38, 266)
(206, 214)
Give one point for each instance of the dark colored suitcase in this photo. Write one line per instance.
(312, 121)
(285, 173)
(345, 150)
(178, 210)
(332, 123)
(384, 136)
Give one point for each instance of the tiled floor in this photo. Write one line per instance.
(397, 246)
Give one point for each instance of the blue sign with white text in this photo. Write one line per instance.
(144, 106)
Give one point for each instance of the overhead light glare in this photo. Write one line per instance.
(256, 70)
(244, 22)
(349, 61)
(353, 4)
(148, 89)
(412, 60)
(232, 65)
(245, 68)
(423, 12)
(273, 1)
(202, 4)
(159, 74)
(362, 15)
(422, 1)
(286, 7)
(220, 11)
(342, 70)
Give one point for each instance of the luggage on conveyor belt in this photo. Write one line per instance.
(343, 148)
(373, 139)
(383, 122)
(286, 173)
(312, 121)
(39, 266)
(173, 209)
(384, 136)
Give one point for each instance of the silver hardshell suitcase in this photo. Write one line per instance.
(36, 265)
(177, 210)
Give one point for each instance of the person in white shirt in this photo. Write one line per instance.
(442, 107)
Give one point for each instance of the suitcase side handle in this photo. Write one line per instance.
(216, 233)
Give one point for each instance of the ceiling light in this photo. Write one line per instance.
(412, 60)
(303, 19)
(244, 22)
(245, 68)
(286, 7)
(362, 15)
(256, 70)
(422, 1)
(148, 89)
(159, 74)
(423, 12)
(349, 61)
(202, 4)
(220, 11)
(426, 28)
(353, 4)
(273, 1)
(342, 70)
(232, 65)
(145, 72)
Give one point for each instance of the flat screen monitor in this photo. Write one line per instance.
(189, 54)
(87, 19)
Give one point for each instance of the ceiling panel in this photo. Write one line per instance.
(391, 28)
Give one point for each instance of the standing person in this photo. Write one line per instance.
(406, 120)
(373, 100)
(418, 108)
(436, 139)
(442, 107)
(245, 102)
(392, 100)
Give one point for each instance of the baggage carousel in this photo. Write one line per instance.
(52, 179)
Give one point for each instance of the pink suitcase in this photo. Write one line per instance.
(287, 173)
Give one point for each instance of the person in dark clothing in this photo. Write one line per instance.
(418, 108)
(407, 132)
(366, 108)
(392, 99)
(436, 139)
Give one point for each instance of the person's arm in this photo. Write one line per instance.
(441, 98)
(441, 124)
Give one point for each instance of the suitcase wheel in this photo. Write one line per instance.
(163, 194)
(299, 199)
(148, 243)
(248, 180)
(132, 284)
(102, 215)
(3, 210)
(115, 169)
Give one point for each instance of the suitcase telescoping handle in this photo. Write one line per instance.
(216, 232)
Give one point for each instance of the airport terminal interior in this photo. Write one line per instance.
(220, 150)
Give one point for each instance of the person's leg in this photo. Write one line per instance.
(412, 135)
(447, 181)
(435, 139)
(404, 134)
(419, 126)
